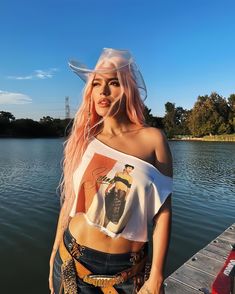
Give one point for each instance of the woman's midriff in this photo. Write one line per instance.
(92, 237)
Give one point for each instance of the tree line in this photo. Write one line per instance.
(28, 128)
(210, 115)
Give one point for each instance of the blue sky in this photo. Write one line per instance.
(184, 48)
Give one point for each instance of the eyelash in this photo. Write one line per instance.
(114, 83)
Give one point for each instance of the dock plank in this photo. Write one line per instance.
(222, 243)
(173, 286)
(228, 235)
(212, 255)
(205, 263)
(215, 252)
(193, 277)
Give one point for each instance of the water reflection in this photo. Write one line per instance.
(203, 201)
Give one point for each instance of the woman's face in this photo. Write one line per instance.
(129, 169)
(106, 91)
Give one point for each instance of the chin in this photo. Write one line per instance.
(102, 112)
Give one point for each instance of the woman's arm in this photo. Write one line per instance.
(63, 221)
(161, 239)
(162, 220)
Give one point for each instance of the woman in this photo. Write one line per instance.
(101, 239)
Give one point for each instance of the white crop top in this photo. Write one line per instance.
(117, 192)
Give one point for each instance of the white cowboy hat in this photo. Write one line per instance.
(125, 59)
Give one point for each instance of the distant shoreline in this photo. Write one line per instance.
(214, 138)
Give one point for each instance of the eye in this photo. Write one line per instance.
(95, 84)
(115, 83)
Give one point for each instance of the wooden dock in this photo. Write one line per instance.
(197, 274)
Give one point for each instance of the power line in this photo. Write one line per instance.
(67, 108)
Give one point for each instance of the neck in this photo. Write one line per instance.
(116, 126)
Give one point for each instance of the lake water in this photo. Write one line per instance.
(203, 205)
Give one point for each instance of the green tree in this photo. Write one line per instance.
(181, 121)
(175, 120)
(7, 116)
(5, 122)
(46, 120)
(209, 116)
(151, 120)
(170, 119)
(231, 104)
(49, 126)
(147, 114)
(27, 128)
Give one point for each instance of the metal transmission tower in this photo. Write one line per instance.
(67, 108)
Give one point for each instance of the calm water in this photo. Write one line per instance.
(203, 205)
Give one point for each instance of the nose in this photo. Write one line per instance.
(105, 90)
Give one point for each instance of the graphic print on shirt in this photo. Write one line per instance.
(104, 190)
(116, 195)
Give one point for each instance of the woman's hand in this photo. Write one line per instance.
(152, 288)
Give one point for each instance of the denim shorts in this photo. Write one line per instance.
(100, 263)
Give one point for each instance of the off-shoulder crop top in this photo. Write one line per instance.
(117, 192)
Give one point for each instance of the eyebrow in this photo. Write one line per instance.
(111, 79)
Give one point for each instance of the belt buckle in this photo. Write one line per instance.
(103, 280)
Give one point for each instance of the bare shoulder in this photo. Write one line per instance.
(156, 138)
(151, 131)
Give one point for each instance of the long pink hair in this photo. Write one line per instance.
(87, 123)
